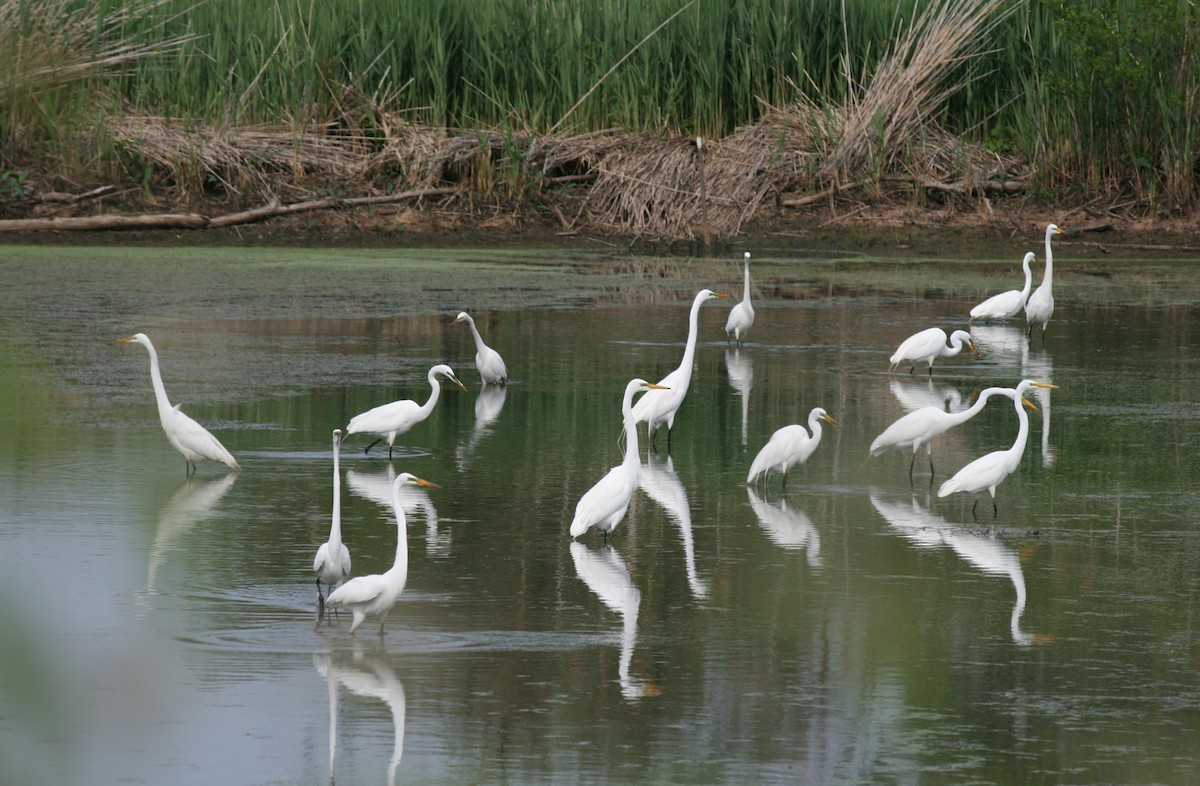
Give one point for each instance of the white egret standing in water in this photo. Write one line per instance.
(789, 446)
(604, 504)
(1040, 305)
(656, 408)
(332, 562)
(375, 595)
(396, 418)
(1008, 304)
(491, 366)
(917, 429)
(928, 345)
(186, 435)
(741, 316)
(987, 472)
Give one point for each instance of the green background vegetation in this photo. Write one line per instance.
(1099, 96)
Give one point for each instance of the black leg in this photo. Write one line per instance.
(931, 472)
(910, 467)
(389, 451)
(994, 509)
(973, 509)
(668, 440)
(373, 444)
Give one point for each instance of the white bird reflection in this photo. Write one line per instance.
(661, 483)
(1039, 365)
(605, 574)
(917, 393)
(740, 369)
(368, 675)
(928, 530)
(787, 528)
(999, 342)
(192, 502)
(377, 487)
(488, 405)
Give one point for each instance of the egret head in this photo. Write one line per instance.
(406, 478)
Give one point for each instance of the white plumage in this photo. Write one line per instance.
(987, 472)
(491, 366)
(659, 406)
(1040, 306)
(789, 446)
(375, 595)
(332, 563)
(186, 435)
(390, 420)
(926, 346)
(1008, 304)
(604, 504)
(741, 316)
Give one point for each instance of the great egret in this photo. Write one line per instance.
(604, 504)
(1008, 304)
(741, 316)
(655, 409)
(926, 346)
(186, 435)
(391, 420)
(918, 428)
(789, 446)
(332, 562)
(987, 472)
(376, 594)
(491, 366)
(1041, 303)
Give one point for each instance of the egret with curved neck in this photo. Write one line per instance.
(1040, 306)
(919, 427)
(604, 504)
(928, 345)
(332, 562)
(390, 420)
(658, 408)
(375, 595)
(987, 472)
(492, 370)
(186, 435)
(1008, 304)
(741, 316)
(789, 446)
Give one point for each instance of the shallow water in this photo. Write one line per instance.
(853, 628)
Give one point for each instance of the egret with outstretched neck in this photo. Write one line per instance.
(391, 420)
(1040, 305)
(186, 435)
(332, 562)
(492, 370)
(660, 404)
(741, 316)
(375, 595)
(604, 504)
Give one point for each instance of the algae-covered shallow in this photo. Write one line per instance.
(852, 628)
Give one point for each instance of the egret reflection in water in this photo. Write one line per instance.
(928, 530)
(740, 369)
(371, 676)
(661, 483)
(377, 487)
(913, 394)
(1039, 365)
(787, 527)
(488, 405)
(999, 343)
(193, 501)
(605, 574)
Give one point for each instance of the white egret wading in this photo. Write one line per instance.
(1008, 304)
(186, 435)
(604, 504)
(659, 406)
(789, 446)
(390, 420)
(332, 563)
(987, 472)
(491, 366)
(928, 345)
(741, 316)
(375, 595)
(1040, 306)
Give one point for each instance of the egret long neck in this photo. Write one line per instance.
(1028, 280)
(400, 566)
(436, 390)
(1022, 433)
(160, 392)
(632, 456)
(1048, 276)
(479, 345)
(746, 287)
(955, 418)
(689, 352)
(335, 527)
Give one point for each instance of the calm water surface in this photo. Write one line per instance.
(851, 629)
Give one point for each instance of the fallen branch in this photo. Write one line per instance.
(57, 197)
